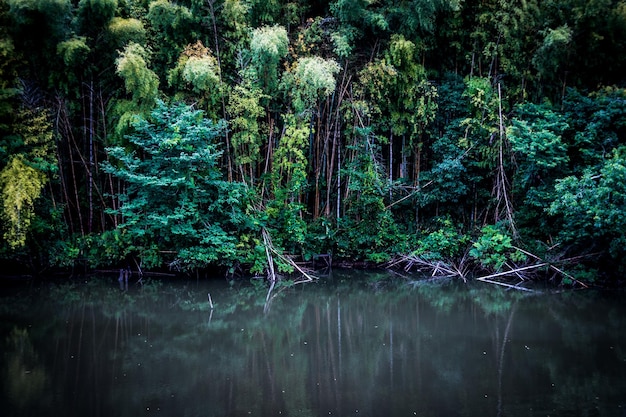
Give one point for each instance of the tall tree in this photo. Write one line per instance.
(176, 201)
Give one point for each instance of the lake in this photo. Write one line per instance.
(353, 343)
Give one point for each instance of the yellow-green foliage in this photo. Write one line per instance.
(199, 68)
(36, 132)
(290, 159)
(132, 66)
(312, 78)
(20, 186)
(127, 30)
(245, 110)
(73, 51)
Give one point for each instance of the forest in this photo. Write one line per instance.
(458, 137)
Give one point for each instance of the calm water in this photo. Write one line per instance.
(353, 344)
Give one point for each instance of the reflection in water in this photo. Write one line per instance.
(25, 377)
(361, 344)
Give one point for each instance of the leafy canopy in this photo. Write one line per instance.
(176, 199)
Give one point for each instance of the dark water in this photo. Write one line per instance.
(354, 344)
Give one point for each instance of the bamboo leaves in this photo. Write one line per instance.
(268, 46)
(312, 78)
(141, 82)
(20, 186)
(22, 180)
(246, 111)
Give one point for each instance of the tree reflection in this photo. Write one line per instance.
(26, 378)
(380, 345)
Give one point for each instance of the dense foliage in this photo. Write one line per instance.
(192, 134)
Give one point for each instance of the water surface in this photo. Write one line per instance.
(352, 344)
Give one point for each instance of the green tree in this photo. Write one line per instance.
(141, 82)
(312, 78)
(541, 157)
(536, 142)
(367, 230)
(125, 30)
(590, 209)
(493, 248)
(20, 186)
(245, 112)
(198, 70)
(550, 59)
(32, 161)
(268, 45)
(93, 15)
(175, 198)
(485, 136)
(172, 25)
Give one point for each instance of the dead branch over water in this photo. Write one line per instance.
(512, 276)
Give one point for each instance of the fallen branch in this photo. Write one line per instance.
(309, 277)
(437, 269)
(525, 252)
(270, 260)
(504, 284)
(513, 271)
(270, 249)
(411, 194)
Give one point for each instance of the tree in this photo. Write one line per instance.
(125, 30)
(141, 82)
(268, 45)
(32, 161)
(175, 199)
(312, 78)
(550, 59)
(171, 26)
(245, 111)
(198, 70)
(538, 147)
(20, 186)
(93, 15)
(590, 208)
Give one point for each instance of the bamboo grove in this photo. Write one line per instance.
(195, 134)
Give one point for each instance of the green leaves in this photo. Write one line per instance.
(268, 46)
(141, 82)
(73, 51)
(290, 161)
(494, 248)
(591, 206)
(198, 70)
(20, 186)
(126, 30)
(551, 57)
(175, 197)
(537, 144)
(312, 78)
(445, 242)
(32, 159)
(95, 14)
(245, 112)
